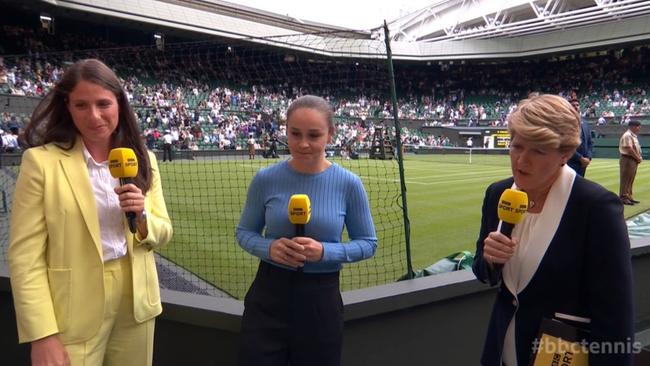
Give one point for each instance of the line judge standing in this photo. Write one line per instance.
(630, 151)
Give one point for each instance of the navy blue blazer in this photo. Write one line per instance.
(586, 271)
(584, 150)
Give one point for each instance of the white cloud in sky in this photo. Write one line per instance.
(353, 14)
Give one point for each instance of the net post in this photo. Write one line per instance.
(400, 157)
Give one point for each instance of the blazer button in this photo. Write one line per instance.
(514, 302)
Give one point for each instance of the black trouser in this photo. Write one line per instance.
(167, 152)
(292, 318)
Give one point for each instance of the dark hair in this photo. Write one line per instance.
(51, 121)
(313, 102)
(634, 123)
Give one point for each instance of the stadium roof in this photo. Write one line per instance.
(358, 14)
(445, 30)
(233, 9)
(485, 19)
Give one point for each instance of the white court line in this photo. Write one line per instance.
(481, 177)
(430, 166)
(495, 175)
(249, 166)
(389, 180)
(445, 182)
(450, 182)
(602, 168)
(467, 174)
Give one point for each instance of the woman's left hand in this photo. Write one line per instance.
(313, 249)
(131, 199)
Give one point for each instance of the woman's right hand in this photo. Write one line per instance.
(49, 351)
(288, 252)
(498, 248)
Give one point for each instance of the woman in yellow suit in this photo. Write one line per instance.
(85, 289)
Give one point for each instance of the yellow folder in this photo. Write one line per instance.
(560, 344)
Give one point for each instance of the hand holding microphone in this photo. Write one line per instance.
(123, 164)
(299, 215)
(299, 212)
(288, 251)
(498, 246)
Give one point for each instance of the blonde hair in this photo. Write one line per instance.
(548, 120)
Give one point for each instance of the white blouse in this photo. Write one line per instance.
(110, 215)
(512, 269)
(534, 235)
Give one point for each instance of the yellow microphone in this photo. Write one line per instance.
(123, 164)
(512, 207)
(299, 212)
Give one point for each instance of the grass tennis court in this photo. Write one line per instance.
(444, 194)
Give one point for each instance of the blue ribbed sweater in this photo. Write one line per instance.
(337, 198)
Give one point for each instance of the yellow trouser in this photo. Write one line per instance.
(120, 340)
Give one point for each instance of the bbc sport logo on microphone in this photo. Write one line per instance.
(512, 206)
(507, 206)
(123, 163)
(116, 164)
(299, 209)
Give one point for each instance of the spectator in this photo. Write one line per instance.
(630, 158)
(251, 146)
(582, 156)
(10, 141)
(167, 146)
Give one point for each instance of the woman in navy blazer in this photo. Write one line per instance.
(570, 254)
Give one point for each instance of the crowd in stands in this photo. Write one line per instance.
(210, 95)
(10, 126)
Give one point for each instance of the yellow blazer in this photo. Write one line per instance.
(55, 252)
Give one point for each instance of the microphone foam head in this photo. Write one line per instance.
(123, 163)
(513, 205)
(299, 209)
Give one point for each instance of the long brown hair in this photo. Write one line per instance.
(51, 121)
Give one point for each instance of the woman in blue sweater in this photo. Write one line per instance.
(293, 310)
